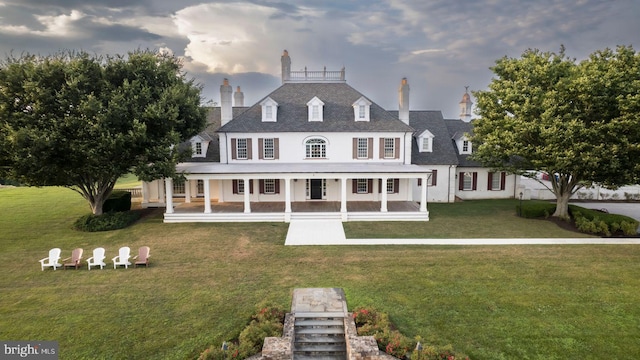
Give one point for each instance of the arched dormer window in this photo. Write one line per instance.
(316, 148)
(269, 110)
(361, 109)
(425, 141)
(316, 107)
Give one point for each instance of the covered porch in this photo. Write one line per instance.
(386, 195)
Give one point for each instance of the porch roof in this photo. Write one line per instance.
(298, 168)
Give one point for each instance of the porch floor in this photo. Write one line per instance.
(197, 205)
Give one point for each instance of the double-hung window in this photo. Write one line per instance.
(389, 148)
(241, 149)
(198, 148)
(363, 148)
(268, 149)
(362, 186)
(269, 186)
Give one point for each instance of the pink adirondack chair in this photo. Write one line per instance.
(143, 257)
(76, 256)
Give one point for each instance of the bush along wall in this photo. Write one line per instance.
(118, 201)
(370, 322)
(268, 321)
(603, 224)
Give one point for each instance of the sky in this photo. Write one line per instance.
(440, 46)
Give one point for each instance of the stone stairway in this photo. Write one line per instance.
(319, 335)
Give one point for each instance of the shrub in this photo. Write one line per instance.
(118, 201)
(268, 321)
(373, 323)
(105, 222)
(599, 223)
(536, 209)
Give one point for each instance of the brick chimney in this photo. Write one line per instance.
(285, 60)
(403, 101)
(226, 113)
(238, 97)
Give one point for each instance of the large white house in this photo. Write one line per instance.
(317, 148)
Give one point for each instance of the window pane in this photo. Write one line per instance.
(198, 148)
(269, 186)
(241, 148)
(495, 181)
(362, 186)
(363, 151)
(178, 187)
(468, 181)
(268, 149)
(390, 188)
(316, 148)
(361, 111)
(268, 112)
(240, 186)
(389, 151)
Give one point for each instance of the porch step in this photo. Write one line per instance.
(319, 336)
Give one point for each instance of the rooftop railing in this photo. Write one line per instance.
(316, 76)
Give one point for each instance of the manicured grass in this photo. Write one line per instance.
(128, 181)
(490, 302)
(471, 219)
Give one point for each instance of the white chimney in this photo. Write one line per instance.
(238, 97)
(403, 101)
(226, 113)
(285, 60)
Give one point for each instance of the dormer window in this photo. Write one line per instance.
(361, 109)
(269, 110)
(466, 147)
(199, 146)
(316, 107)
(425, 141)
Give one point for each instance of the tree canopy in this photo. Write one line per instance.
(577, 121)
(81, 121)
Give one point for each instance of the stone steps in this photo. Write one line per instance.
(319, 336)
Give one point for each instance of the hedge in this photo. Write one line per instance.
(118, 201)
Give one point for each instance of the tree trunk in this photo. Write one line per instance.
(562, 205)
(96, 204)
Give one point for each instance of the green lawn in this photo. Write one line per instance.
(490, 302)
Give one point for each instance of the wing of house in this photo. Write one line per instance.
(315, 148)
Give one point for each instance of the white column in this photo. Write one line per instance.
(168, 184)
(383, 191)
(343, 198)
(287, 200)
(287, 195)
(187, 191)
(247, 195)
(160, 185)
(221, 190)
(145, 192)
(423, 194)
(207, 196)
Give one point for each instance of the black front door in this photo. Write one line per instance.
(316, 189)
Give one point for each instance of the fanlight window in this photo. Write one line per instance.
(316, 148)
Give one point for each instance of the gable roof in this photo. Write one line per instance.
(457, 130)
(210, 134)
(442, 152)
(338, 113)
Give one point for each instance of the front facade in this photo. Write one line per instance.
(317, 143)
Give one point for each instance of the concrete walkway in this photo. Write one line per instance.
(323, 232)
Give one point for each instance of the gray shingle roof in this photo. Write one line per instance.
(457, 128)
(211, 133)
(338, 112)
(443, 151)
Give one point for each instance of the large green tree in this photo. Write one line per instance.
(81, 121)
(577, 121)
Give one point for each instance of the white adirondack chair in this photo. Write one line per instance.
(97, 259)
(122, 258)
(52, 260)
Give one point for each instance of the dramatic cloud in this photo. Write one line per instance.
(440, 46)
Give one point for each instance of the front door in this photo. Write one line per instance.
(316, 189)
